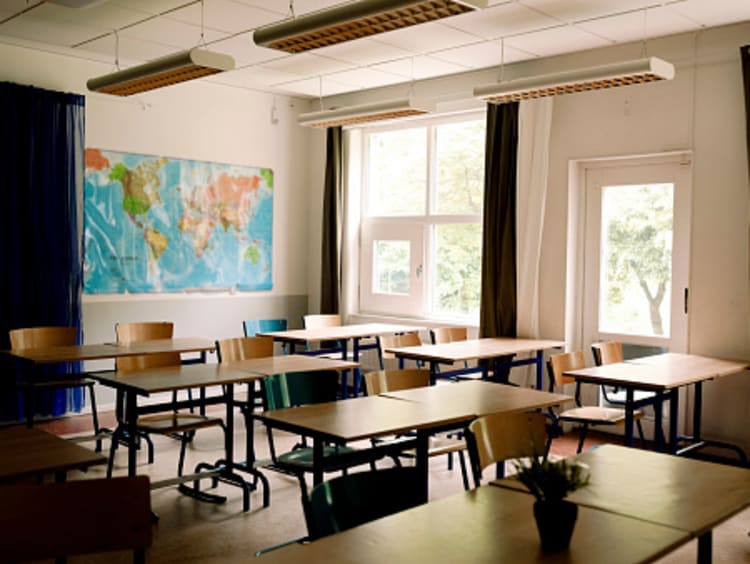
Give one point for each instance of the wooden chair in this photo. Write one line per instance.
(176, 423)
(382, 381)
(610, 352)
(493, 439)
(56, 520)
(586, 416)
(440, 335)
(394, 341)
(347, 501)
(50, 336)
(242, 348)
(251, 327)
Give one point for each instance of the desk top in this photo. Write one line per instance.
(362, 418)
(474, 349)
(679, 492)
(481, 398)
(29, 452)
(279, 364)
(75, 353)
(339, 332)
(171, 378)
(660, 372)
(498, 526)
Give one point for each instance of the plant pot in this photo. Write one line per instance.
(555, 521)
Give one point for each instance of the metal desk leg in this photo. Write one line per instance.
(422, 462)
(317, 461)
(629, 395)
(658, 422)
(357, 371)
(705, 548)
(539, 369)
(131, 416)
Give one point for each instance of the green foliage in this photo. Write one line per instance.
(552, 481)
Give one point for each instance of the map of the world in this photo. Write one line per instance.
(158, 224)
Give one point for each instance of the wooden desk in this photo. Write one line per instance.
(374, 416)
(481, 349)
(343, 334)
(280, 364)
(685, 494)
(28, 452)
(498, 526)
(132, 385)
(664, 374)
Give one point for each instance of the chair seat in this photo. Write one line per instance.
(302, 458)
(599, 415)
(176, 422)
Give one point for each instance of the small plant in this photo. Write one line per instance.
(552, 481)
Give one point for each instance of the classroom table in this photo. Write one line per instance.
(369, 417)
(496, 525)
(664, 374)
(690, 495)
(31, 452)
(490, 350)
(343, 334)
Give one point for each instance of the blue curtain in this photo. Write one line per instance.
(42, 159)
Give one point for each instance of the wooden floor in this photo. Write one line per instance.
(192, 531)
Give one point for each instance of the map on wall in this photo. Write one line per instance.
(158, 224)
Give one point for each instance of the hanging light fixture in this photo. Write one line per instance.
(367, 113)
(187, 65)
(355, 20)
(623, 73)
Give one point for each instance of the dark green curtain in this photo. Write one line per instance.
(497, 311)
(745, 56)
(330, 283)
(42, 159)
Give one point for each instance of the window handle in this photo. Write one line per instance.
(419, 271)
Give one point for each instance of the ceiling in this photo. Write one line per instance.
(135, 31)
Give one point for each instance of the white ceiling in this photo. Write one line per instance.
(147, 29)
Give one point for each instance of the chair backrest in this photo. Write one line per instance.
(394, 341)
(253, 326)
(501, 436)
(241, 348)
(300, 388)
(43, 521)
(607, 352)
(145, 331)
(560, 363)
(347, 501)
(37, 337)
(440, 335)
(314, 321)
(380, 381)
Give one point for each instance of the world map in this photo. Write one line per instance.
(158, 224)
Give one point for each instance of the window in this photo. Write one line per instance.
(421, 238)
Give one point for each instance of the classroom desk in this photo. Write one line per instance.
(133, 385)
(342, 333)
(685, 494)
(497, 525)
(488, 349)
(664, 374)
(28, 452)
(368, 417)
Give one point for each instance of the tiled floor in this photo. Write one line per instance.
(192, 531)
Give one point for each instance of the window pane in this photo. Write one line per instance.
(460, 168)
(458, 253)
(391, 267)
(636, 259)
(397, 172)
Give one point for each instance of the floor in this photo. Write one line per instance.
(192, 531)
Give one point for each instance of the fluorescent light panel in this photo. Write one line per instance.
(593, 78)
(367, 113)
(356, 20)
(172, 69)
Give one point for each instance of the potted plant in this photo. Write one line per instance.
(549, 482)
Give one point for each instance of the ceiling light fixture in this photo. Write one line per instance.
(367, 113)
(624, 73)
(180, 67)
(355, 20)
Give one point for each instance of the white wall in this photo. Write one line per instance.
(202, 121)
(701, 110)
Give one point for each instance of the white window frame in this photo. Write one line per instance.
(419, 227)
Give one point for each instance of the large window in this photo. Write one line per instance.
(422, 218)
